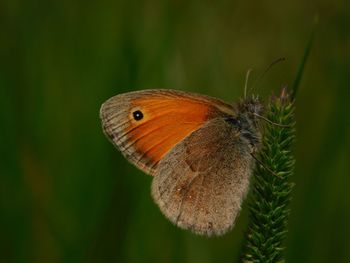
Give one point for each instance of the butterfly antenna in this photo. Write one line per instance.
(271, 122)
(246, 82)
(262, 75)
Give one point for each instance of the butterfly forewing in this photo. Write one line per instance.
(163, 119)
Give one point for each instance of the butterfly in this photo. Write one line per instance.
(199, 150)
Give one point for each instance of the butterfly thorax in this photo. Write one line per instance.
(246, 121)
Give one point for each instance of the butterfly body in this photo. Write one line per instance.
(199, 150)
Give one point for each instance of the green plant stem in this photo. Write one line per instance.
(305, 57)
(271, 193)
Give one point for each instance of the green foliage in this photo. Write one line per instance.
(67, 195)
(301, 68)
(271, 192)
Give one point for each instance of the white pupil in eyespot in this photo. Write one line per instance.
(138, 115)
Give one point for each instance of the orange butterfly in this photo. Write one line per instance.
(199, 150)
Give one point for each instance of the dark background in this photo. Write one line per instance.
(66, 195)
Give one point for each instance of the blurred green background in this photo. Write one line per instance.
(66, 195)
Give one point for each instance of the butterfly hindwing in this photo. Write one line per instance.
(200, 184)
